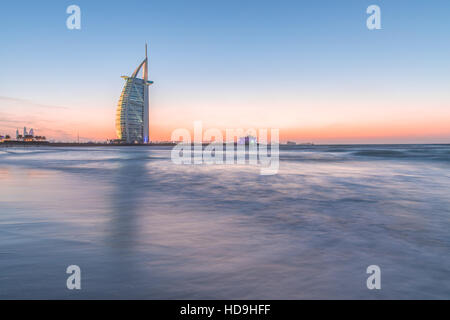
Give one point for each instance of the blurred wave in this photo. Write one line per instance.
(140, 226)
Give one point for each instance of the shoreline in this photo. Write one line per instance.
(76, 144)
(170, 144)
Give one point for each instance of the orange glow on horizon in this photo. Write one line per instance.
(325, 122)
(440, 131)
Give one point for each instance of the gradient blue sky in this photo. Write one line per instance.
(310, 68)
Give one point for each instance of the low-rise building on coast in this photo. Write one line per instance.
(25, 137)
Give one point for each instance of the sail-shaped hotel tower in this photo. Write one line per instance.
(132, 110)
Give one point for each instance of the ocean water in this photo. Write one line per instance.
(142, 227)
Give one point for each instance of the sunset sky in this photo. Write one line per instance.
(310, 68)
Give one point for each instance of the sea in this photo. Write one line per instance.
(140, 226)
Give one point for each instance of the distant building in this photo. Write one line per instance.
(248, 140)
(291, 143)
(27, 136)
(132, 110)
(5, 138)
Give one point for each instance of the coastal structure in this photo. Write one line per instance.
(248, 140)
(26, 136)
(133, 107)
(5, 138)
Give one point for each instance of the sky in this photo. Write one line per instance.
(311, 69)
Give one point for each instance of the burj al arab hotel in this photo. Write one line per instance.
(132, 109)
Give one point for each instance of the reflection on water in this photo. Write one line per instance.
(142, 227)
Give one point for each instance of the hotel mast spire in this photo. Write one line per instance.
(146, 64)
(146, 100)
